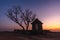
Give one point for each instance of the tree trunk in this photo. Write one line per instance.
(21, 26)
(27, 26)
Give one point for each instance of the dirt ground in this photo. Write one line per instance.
(17, 36)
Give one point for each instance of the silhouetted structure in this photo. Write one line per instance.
(18, 16)
(37, 26)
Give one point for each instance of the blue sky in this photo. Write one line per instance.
(48, 11)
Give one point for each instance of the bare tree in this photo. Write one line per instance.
(21, 17)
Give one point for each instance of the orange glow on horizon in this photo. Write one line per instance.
(52, 24)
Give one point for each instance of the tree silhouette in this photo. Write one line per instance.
(21, 17)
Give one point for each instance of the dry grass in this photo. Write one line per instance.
(17, 36)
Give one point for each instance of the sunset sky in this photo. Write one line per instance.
(47, 11)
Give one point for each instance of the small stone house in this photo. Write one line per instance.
(37, 26)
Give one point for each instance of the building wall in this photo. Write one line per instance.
(37, 27)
